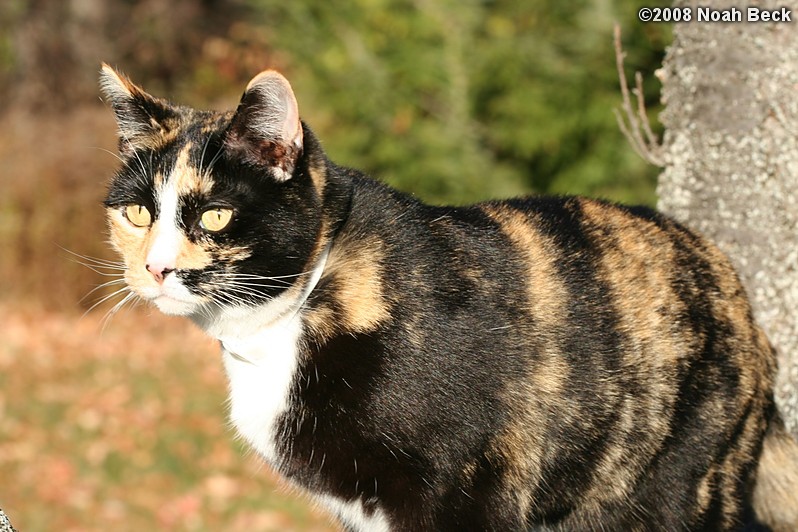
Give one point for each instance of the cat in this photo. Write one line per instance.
(544, 363)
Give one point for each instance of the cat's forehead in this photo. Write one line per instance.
(185, 173)
(193, 128)
(188, 154)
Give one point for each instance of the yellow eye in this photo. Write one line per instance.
(138, 215)
(216, 219)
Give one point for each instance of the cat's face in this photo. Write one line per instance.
(211, 210)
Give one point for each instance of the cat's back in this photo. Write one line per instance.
(631, 283)
(566, 250)
(631, 280)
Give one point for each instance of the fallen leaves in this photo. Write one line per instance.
(126, 429)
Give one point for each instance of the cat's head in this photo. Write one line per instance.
(212, 210)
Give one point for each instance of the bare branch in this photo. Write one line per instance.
(632, 122)
(651, 139)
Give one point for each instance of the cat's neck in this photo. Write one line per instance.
(235, 325)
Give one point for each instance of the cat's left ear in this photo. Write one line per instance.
(265, 129)
(143, 119)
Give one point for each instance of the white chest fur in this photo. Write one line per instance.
(262, 364)
(261, 369)
(351, 513)
(260, 351)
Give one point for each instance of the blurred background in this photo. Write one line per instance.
(121, 424)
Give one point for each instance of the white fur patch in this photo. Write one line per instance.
(261, 369)
(261, 364)
(166, 244)
(171, 297)
(352, 514)
(261, 357)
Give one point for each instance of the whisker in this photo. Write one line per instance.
(101, 262)
(206, 311)
(109, 152)
(101, 286)
(252, 285)
(95, 260)
(234, 276)
(116, 308)
(237, 295)
(98, 264)
(256, 282)
(252, 280)
(213, 161)
(97, 271)
(138, 158)
(245, 289)
(257, 276)
(231, 276)
(223, 300)
(106, 298)
(202, 155)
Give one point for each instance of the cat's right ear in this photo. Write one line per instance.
(142, 119)
(265, 130)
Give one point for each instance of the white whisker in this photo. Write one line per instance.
(246, 290)
(253, 285)
(224, 300)
(213, 161)
(202, 156)
(268, 277)
(106, 298)
(116, 308)
(96, 269)
(237, 278)
(136, 153)
(101, 286)
(109, 152)
(95, 260)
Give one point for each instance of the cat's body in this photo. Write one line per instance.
(540, 364)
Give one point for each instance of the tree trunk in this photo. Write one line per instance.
(731, 162)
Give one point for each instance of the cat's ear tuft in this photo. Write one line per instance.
(141, 118)
(265, 129)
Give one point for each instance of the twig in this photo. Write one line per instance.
(649, 148)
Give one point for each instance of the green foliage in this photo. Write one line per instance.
(459, 101)
(9, 13)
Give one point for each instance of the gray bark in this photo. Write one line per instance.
(731, 162)
(5, 524)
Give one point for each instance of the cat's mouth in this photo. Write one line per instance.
(171, 298)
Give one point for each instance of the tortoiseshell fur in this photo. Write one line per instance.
(547, 363)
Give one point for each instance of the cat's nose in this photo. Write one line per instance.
(159, 271)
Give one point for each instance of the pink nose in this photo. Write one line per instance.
(159, 271)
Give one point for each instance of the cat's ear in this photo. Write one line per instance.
(265, 129)
(142, 119)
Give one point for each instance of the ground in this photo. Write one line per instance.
(125, 428)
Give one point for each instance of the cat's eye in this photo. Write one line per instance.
(216, 219)
(138, 215)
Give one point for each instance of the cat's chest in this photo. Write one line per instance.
(261, 369)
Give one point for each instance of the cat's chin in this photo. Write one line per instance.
(174, 307)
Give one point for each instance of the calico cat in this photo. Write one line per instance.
(547, 363)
